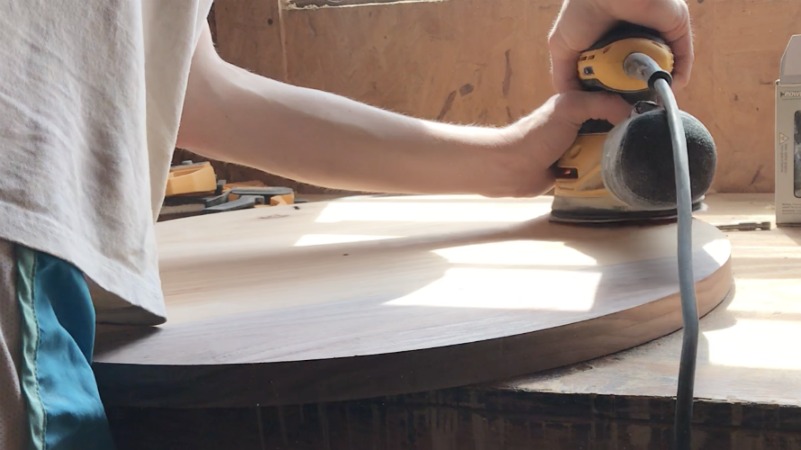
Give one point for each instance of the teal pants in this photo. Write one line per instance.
(57, 331)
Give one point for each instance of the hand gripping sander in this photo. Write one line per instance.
(656, 165)
(625, 173)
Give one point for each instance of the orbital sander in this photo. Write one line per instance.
(653, 167)
(625, 173)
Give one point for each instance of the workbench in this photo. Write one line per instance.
(748, 383)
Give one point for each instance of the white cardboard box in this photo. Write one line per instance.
(788, 136)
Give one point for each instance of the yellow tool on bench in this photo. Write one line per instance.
(193, 189)
(191, 178)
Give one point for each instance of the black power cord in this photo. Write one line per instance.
(644, 68)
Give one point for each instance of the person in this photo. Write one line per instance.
(95, 96)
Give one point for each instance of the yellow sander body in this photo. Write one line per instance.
(581, 194)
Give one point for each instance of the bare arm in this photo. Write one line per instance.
(324, 139)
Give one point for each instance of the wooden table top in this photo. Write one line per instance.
(372, 296)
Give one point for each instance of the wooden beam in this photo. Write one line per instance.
(248, 34)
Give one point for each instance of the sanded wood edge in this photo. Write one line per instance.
(356, 378)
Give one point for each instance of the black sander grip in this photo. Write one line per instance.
(638, 160)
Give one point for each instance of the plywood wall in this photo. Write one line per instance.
(479, 61)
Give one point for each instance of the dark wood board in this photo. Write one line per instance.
(373, 296)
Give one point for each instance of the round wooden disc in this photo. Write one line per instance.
(372, 296)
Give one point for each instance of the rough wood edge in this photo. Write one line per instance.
(445, 419)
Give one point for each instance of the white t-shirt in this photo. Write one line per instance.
(91, 93)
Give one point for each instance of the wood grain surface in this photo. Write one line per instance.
(371, 296)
